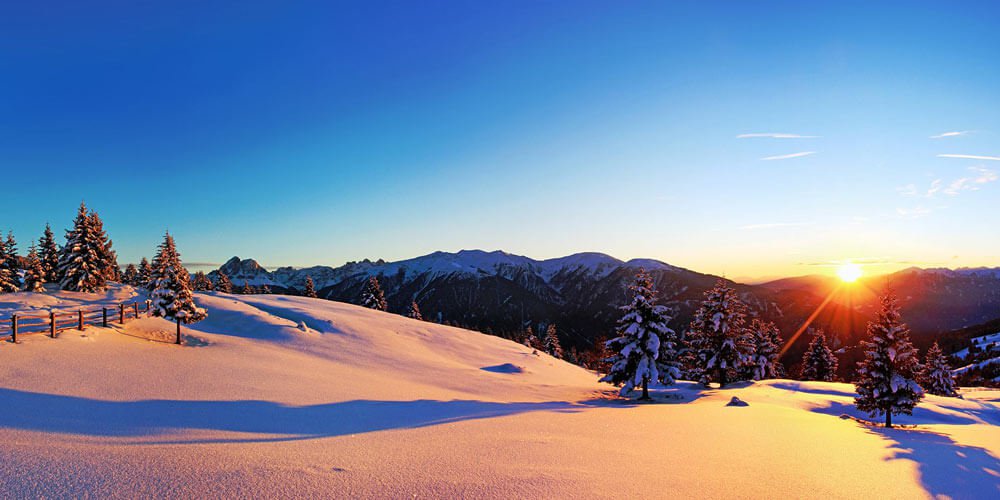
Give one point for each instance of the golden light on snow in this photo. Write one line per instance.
(849, 272)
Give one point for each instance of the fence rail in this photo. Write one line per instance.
(59, 321)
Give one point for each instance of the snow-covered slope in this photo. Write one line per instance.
(277, 396)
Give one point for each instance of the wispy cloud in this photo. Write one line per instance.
(788, 156)
(971, 157)
(939, 186)
(864, 261)
(773, 225)
(913, 213)
(776, 136)
(950, 134)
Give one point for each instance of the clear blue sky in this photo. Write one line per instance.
(324, 131)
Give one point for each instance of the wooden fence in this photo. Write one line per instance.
(59, 321)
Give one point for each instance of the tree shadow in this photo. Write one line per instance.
(947, 469)
(798, 387)
(92, 417)
(921, 415)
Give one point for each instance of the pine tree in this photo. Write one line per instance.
(719, 342)
(14, 262)
(247, 289)
(80, 264)
(106, 256)
(767, 342)
(646, 349)
(8, 280)
(223, 283)
(415, 312)
(145, 274)
(266, 290)
(372, 296)
(131, 275)
(34, 273)
(552, 345)
(310, 290)
(935, 375)
(171, 283)
(530, 340)
(819, 362)
(201, 283)
(885, 383)
(49, 255)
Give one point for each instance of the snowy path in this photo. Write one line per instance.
(361, 404)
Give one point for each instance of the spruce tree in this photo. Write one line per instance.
(131, 275)
(266, 290)
(645, 349)
(34, 273)
(530, 340)
(106, 256)
(49, 255)
(201, 283)
(14, 262)
(247, 289)
(819, 362)
(80, 264)
(372, 296)
(885, 383)
(145, 274)
(767, 342)
(8, 280)
(310, 290)
(935, 375)
(719, 342)
(415, 311)
(552, 345)
(223, 283)
(171, 284)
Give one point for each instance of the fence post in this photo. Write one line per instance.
(52, 324)
(149, 305)
(135, 309)
(104, 320)
(178, 331)
(13, 328)
(80, 319)
(121, 313)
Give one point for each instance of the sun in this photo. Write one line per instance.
(849, 272)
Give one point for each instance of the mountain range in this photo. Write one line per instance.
(501, 293)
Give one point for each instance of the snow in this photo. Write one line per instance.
(277, 396)
(984, 342)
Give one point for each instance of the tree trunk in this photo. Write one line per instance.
(645, 390)
(722, 378)
(888, 419)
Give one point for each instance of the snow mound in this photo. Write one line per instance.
(504, 368)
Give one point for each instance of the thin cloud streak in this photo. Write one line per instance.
(788, 156)
(970, 157)
(772, 225)
(950, 134)
(776, 136)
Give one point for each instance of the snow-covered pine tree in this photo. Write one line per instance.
(719, 344)
(372, 296)
(935, 375)
(145, 273)
(34, 273)
(247, 289)
(80, 264)
(107, 257)
(819, 362)
(131, 275)
(266, 290)
(8, 280)
(530, 340)
(14, 262)
(310, 288)
(223, 283)
(415, 311)
(885, 383)
(201, 283)
(552, 345)
(764, 362)
(646, 348)
(49, 255)
(171, 285)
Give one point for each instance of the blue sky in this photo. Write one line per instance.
(322, 132)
